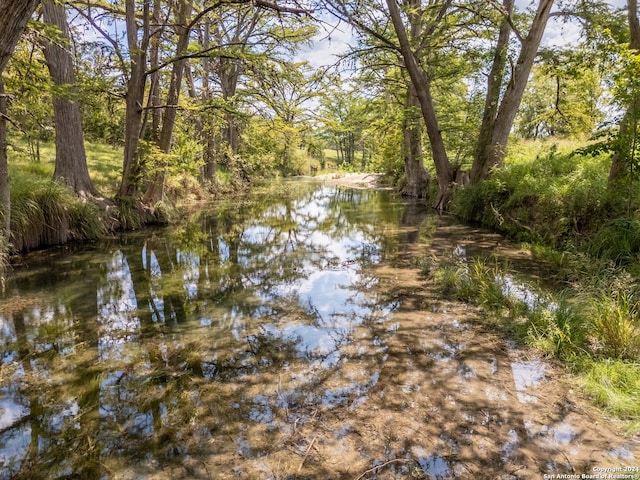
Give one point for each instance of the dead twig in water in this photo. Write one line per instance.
(373, 469)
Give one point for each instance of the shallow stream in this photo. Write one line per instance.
(286, 335)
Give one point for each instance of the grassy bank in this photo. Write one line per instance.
(553, 198)
(44, 212)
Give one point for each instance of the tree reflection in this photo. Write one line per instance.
(173, 344)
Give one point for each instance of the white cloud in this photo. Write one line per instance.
(328, 44)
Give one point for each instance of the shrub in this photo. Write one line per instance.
(551, 198)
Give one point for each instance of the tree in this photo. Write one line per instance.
(497, 125)
(628, 93)
(28, 84)
(421, 82)
(155, 190)
(281, 90)
(561, 98)
(138, 37)
(343, 119)
(15, 14)
(71, 160)
(239, 39)
(416, 178)
(427, 34)
(143, 57)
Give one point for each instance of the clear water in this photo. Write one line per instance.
(244, 343)
(114, 353)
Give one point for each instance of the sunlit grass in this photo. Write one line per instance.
(47, 212)
(546, 192)
(104, 162)
(614, 386)
(105, 167)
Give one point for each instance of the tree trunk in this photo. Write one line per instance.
(231, 134)
(155, 191)
(494, 87)
(492, 148)
(71, 160)
(620, 161)
(416, 177)
(14, 17)
(421, 82)
(154, 89)
(132, 163)
(209, 154)
(5, 191)
(229, 72)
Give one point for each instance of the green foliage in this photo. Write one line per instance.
(345, 119)
(562, 99)
(614, 318)
(259, 146)
(451, 279)
(27, 81)
(47, 211)
(280, 91)
(482, 283)
(86, 221)
(44, 212)
(597, 332)
(566, 207)
(128, 213)
(557, 329)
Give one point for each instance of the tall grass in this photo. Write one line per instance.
(616, 240)
(555, 197)
(44, 212)
(613, 315)
(615, 386)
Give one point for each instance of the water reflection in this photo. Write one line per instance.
(120, 352)
(259, 339)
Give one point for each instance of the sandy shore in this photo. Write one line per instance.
(355, 180)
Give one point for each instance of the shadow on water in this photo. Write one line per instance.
(289, 338)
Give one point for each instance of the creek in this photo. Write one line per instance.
(283, 335)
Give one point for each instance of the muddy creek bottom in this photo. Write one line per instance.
(294, 340)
